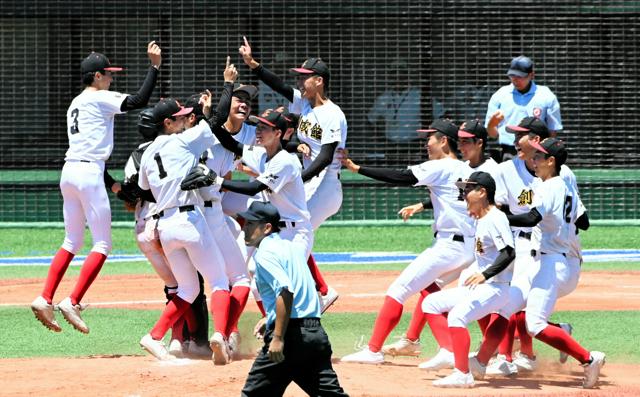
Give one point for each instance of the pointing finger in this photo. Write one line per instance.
(228, 61)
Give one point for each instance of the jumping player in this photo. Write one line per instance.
(323, 127)
(484, 291)
(90, 131)
(553, 210)
(452, 248)
(182, 227)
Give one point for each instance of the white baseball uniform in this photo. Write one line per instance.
(222, 161)
(557, 202)
(90, 132)
(465, 304)
(452, 248)
(146, 231)
(233, 202)
(321, 125)
(281, 174)
(184, 233)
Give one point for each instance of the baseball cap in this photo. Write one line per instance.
(530, 125)
(271, 118)
(520, 66)
(96, 62)
(445, 126)
(263, 212)
(292, 118)
(553, 147)
(247, 91)
(194, 102)
(169, 107)
(147, 124)
(473, 129)
(313, 66)
(479, 178)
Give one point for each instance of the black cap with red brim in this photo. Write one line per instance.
(97, 62)
(530, 125)
(553, 147)
(169, 107)
(444, 126)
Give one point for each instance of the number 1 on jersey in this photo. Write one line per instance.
(158, 160)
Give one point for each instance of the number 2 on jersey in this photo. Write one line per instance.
(158, 160)
(568, 201)
(74, 126)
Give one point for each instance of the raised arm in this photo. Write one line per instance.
(264, 74)
(217, 120)
(141, 98)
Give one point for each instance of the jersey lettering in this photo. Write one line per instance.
(525, 197)
(158, 160)
(316, 132)
(74, 127)
(304, 128)
(479, 248)
(568, 201)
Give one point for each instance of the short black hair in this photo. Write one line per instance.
(87, 78)
(453, 144)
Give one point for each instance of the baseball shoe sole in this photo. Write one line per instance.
(71, 313)
(220, 349)
(44, 313)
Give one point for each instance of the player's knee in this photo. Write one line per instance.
(72, 245)
(430, 306)
(399, 292)
(188, 293)
(457, 318)
(535, 324)
(103, 247)
(240, 282)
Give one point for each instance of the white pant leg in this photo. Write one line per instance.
(189, 231)
(443, 301)
(523, 262)
(301, 234)
(82, 184)
(443, 256)
(569, 276)
(233, 202)
(324, 200)
(184, 272)
(149, 244)
(544, 292)
(234, 261)
(524, 268)
(476, 303)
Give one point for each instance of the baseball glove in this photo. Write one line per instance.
(199, 176)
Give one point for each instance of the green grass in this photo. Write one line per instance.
(117, 332)
(36, 242)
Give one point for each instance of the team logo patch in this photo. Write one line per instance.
(479, 248)
(272, 178)
(537, 112)
(525, 197)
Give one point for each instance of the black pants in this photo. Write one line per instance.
(307, 362)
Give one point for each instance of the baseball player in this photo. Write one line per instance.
(222, 161)
(485, 290)
(279, 176)
(452, 247)
(323, 127)
(182, 227)
(472, 138)
(90, 131)
(554, 208)
(522, 98)
(296, 347)
(193, 338)
(516, 182)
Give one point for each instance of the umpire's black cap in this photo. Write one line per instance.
(553, 147)
(520, 66)
(263, 212)
(444, 126)
(97, 62)
(530, 125)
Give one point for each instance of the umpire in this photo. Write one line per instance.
(296, 347)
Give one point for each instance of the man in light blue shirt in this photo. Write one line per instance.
(296, 347)
(522, 98)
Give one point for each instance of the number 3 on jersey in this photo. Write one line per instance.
(74, 124)
(158, 160)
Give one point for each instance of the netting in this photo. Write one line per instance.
(395, 66)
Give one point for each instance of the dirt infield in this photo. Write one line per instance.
(143, 376)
